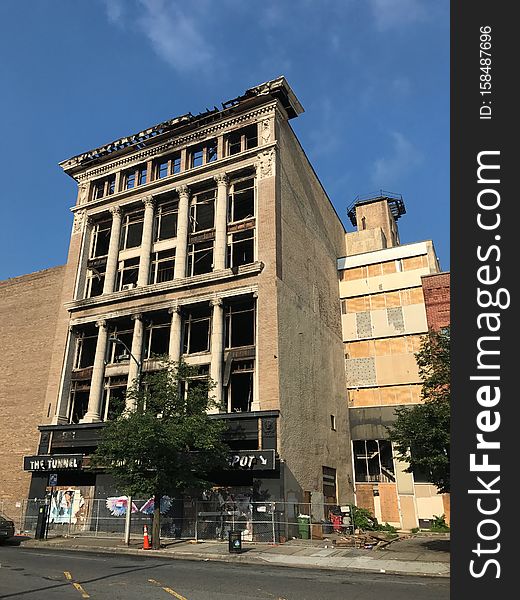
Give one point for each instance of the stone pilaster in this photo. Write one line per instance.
(61, 416)
(146, 242)
(98, 376)
(182, 232)
(137, 354)
(175, 333)
(79, 287)
(113, 250)
(221, 222)
(217, 348)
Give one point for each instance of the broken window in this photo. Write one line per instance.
(241, 248)
(78, 402)
(242, 139)
(157, 335)
(329, 485)
(167, 165)
(240, 323)
(240, 386)
(123, 330)
(127, 274)
(103, 187)
(165, 226)
(162, 266)
(114, 397)
(197, 327)
(241, 200)
(203, 154)
(135, 176)
(200, 258)
(373, 461)
(100, 239)
(95, 279)
(202, 211)
(86, 341)
(132, 229)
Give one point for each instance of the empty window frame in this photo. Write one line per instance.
(329, 484)
(165, 226)
(241, 200)
(95, 280)
(123, 330)
(157, 335)
(167, 165)
(100, 239)
(373, 461)
(78, 400)
(240, 386)
(114, 397)
(104, 187)
(240, 323)
(241, 248)
(197, 328)
(127, 274)
(242, 139)
(136, 176)
(162, 266)
(86, 341)
(202, 211)
(200, 258)
(132, 229)
(202, 154)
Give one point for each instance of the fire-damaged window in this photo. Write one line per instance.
(78, 403)
(202, 154)
(373, 461)
(202, 211)
(86, 342)
(95, 279)
(239, 385)
(162, 266)
(241, 200)
(239, 323)
(157, 335)
(132, 229)
(197, 326)
(200, 258)
(134, 177)
(165, 226)
(242, 139)
(167, 165)
(241, 248)
(123, 330)
(329, 485)
(127, 274)
(100, 239)
(114, 395)
(199, 379)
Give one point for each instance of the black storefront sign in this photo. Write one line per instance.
(252, 460)
(55, 462)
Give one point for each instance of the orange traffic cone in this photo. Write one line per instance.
(146, 541)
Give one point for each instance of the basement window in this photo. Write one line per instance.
(132, 229)
(157, 336)
(241, 200)
(240, 386)
(165, 226)
(202, 212)
(78, 402)
(240, 323)
(162, 266)
(197, 326)
(200, 258)
(86, 342)
(127, 274)
(242, 139)
(373, 461)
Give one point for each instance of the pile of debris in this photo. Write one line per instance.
(366, 540)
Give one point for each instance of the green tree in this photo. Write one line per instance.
(166, 444)
(421, 433)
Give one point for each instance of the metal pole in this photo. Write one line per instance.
(128, 519)
(196, 520)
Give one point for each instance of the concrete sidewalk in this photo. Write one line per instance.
(426, 555)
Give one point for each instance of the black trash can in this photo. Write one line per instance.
(235, 541)
(41, 523)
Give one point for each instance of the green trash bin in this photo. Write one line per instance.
(304, 526)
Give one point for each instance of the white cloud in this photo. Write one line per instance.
(115, 11)
(388, 171)
(390, 14)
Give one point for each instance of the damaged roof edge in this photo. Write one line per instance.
(276, 88)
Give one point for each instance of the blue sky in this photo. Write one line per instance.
(372, 75)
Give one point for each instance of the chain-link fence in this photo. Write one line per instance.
(268, 522)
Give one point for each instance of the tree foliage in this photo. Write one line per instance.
(166, 444)
(421, 433)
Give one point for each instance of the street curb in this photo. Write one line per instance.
(237, 558)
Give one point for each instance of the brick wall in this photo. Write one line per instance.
(436, 290)
(28, 314)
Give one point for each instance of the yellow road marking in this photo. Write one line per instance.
(168, 590)
(67, 575)
(81, 590)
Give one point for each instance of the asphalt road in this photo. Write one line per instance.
(49, 575)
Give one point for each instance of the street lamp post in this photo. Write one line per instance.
(128, 516)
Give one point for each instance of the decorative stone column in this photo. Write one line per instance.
(61, 416)
(217, 348)
(98, 376)
(83, 224)
(182, 232)
(219, 261)
(113, 250)
(136, 350)
(175, 333)
(146, 242)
